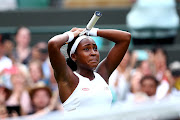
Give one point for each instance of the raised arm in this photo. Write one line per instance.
(116, 54)
(57, 59)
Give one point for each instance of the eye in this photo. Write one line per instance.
(86, 49)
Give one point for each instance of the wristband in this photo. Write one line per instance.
(70, 35)
(93, 32)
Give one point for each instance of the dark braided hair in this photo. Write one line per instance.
(69, 61)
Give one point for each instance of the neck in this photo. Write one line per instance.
(86, 73)
(20, 47)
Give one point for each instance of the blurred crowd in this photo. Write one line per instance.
(27, 83)
(28, 86)
(145, 75)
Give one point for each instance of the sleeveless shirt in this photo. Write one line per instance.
(89, 94)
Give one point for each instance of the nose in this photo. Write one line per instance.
(93, 52)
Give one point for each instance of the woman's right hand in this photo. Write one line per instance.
(77, 31)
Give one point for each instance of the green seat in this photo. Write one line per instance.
(33, 3)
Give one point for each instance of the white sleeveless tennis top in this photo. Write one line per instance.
(89, 94)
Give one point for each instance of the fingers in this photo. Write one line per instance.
(75, 29)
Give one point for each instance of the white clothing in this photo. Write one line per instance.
(162, 90)
(8, 5)
(122, 87)
(89, 94)
(5, 62)
(153, 14)
(175, 94)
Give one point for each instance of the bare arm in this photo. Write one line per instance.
(116, 54)
(57, 59)
(65, 77)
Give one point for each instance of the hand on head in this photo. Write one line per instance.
(76, 31)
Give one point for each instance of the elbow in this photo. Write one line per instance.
(51, 44)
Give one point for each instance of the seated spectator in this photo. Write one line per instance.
(149, 85)
(145, 68)
(175, 86)
(5, 62)
(22, 52)
(135, 95)
(162, 74)
(19, 98)
(119, 79)
(8, 45)
(36, 72)
(142, 62)
(41, 53)
(5, 112)
(43, 100)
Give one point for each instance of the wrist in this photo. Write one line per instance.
(93, 31)
(70, 36)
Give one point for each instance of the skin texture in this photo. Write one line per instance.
(86, 58)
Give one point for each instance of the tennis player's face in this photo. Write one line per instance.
(87, 54)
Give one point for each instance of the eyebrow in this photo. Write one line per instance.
(89, 44)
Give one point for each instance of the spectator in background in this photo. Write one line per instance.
(5, 62)
(162, 73)
(43, 100)
(4, 95)
(119, 79)
(19, 97)
(22, 52)
(135, 95)
(153, 21)
(141, 61)
(175, 86)
(35, 54)
(36, 72)
(8, 45)
(144, 68)
(149, 85)
(43, 56)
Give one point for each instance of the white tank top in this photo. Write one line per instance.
(89, 94)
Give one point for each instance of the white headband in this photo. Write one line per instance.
(76, 43)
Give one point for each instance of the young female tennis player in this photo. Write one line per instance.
(82, 80)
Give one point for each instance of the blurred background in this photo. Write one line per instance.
(149, 72)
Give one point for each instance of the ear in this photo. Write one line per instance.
(73, 57)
